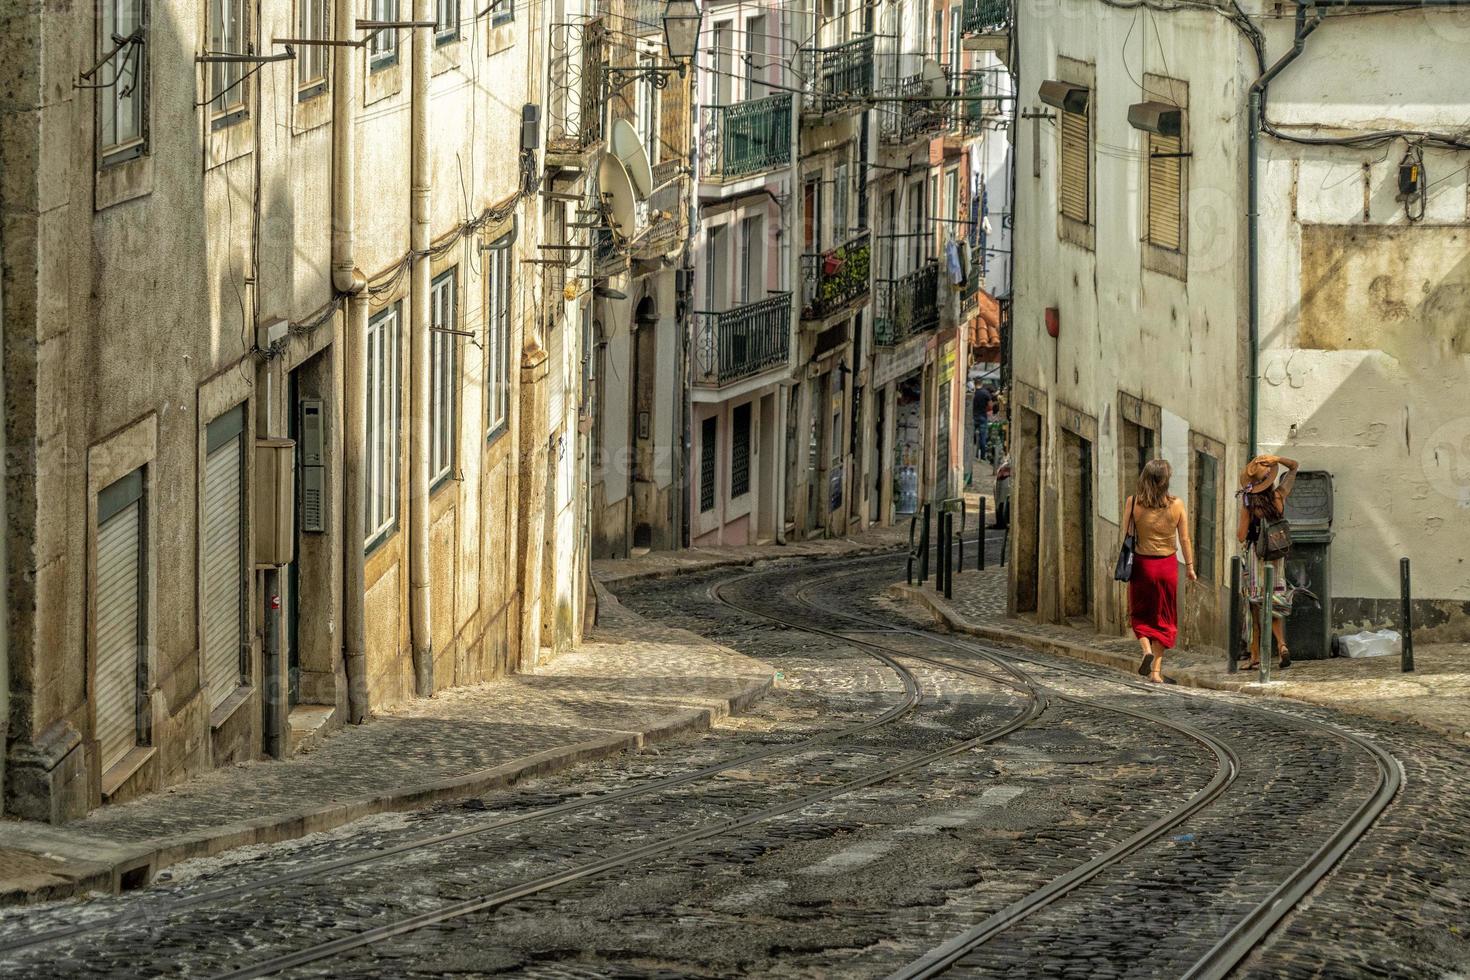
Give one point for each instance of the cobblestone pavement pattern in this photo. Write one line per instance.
(861, 883)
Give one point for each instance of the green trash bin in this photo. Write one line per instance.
(1309, 509)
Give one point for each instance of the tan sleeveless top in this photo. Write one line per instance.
(1155, 529)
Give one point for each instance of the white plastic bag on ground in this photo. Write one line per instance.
(1382, 643)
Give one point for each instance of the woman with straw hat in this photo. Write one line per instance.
(1263, 499)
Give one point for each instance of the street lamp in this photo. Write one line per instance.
(681, 31)
(681, 37)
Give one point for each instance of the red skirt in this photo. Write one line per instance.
(1153, 598)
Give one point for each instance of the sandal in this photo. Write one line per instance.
(1145, 668)
(1285, 659)
(1155, 678)
(1253, 665)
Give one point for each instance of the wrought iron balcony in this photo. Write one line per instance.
(901, 123)
(742, 342)
(841, 78)
(574, 79)
(667, 216)
(906, 306)
(986, 17)
(976, 110)
(836, 280)
(744, 139)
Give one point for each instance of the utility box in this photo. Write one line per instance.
(275, 499)
(1309, 509)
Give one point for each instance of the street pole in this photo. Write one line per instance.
(1266, 641)
(1232, 649)
(1406, 613)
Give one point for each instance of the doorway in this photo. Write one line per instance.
(306, 597)
(765, 446)
(645, 488)
(1026, 509)
(1076, 541)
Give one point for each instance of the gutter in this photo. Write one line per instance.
(420, 382)
(348, 280)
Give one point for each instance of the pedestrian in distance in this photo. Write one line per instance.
(1262, 503)
(984, 400)
(1157, 520)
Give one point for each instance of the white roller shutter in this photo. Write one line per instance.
(119, 617)
(224, 586)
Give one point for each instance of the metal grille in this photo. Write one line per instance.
(747, 138)
(740, 450)
(744, 341)
(1206, 500)
(707, 465)
(574, 71)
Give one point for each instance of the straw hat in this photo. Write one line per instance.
(1259, 474)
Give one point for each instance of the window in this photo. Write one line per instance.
(229, 26)
(1074, 190)
(120, 594)
(840, 217)
(223, 583)
(740, 450)
(313, 60)
(505, 12)
(1206, 503)
(717, 272)
(446, 29)
(952, 198)
(122, 111)
(1165, 192)
(444, 367)
(755, 60)
(724, 57)
(955, 26)
(648, 110)
(383, 45)
(752, 260)
(383, 418)
(707, 465)
(497, 345)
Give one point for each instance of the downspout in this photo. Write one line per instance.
(349, 282)
(419, 409)
(1304, 28)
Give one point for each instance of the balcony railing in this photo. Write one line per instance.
(744, 139)
(986, 17)
(667, 217)
(835, 280)
(904, 122)
(574, 80)
(841, 77)
(906, 306)
(742, 342)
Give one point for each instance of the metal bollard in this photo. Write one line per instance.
(980, 560)
(941, 550)
(1233, 640)
(960, 558)
(949, 556)
(908, 572)
(1268, 599)
(1406, 612)
(924, 547)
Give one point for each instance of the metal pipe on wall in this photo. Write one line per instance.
(420, 437)
(347, 280)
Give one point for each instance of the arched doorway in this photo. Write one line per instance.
(643, 460)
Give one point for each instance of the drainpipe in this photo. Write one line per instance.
(349, 281)
(419, 411)
(1304, 28)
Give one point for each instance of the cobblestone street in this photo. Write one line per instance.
(900, 802)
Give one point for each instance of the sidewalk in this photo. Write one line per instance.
(633, 681)
(1436, 696)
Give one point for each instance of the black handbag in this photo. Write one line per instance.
(1123, 572)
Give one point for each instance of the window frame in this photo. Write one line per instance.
(708, 468)
(503, 16)
(383, 464)
(740, 474)
(382, 47)
(135, 57)
(448, 35)
(648, 108)
(1201, 448)
(319, 54)
(233, 77)
(444, 377)
(499, 285)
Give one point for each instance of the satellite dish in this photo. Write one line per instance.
(616, 189)
(628, 148)
(935, 84)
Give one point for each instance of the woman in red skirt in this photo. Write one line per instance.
(1156, 520)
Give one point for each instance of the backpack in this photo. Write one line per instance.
(1271, 531)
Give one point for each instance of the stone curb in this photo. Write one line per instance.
(138, 866)
(1184, 677)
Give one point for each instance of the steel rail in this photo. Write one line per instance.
(1033, 708)
(1247, 933)
(911, 699)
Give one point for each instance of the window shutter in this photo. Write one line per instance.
(1072, 185)
(223, 572)
(119, 623)
(1165, 192)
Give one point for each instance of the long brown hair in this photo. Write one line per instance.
(1153, 484)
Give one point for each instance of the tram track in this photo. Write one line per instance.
(1249, 931)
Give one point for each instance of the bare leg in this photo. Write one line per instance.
(1156, 676)
(1278, 628)
(1148, 653)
